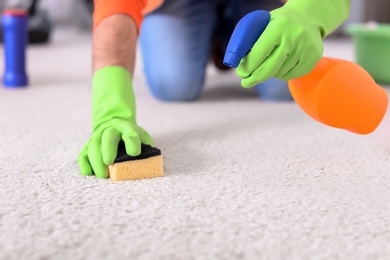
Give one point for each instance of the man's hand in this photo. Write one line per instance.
(289, 48)
(114, 119)
(291, 45)
(113, 100)
(101, 149)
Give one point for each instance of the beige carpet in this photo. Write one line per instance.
(244, 179)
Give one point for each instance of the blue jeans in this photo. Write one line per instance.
(176, 40)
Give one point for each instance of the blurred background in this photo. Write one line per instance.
(54, 19)
(77, 12)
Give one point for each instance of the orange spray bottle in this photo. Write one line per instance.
(336, 92)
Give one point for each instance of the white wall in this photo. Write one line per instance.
(65, 11)
(357, 12)
(59, 10)
(69, 12)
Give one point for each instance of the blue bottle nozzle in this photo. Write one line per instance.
(244, 36)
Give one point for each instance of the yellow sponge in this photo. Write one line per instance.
(148, 164)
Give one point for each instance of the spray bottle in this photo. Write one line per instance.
(336, 92)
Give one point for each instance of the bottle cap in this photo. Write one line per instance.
(15, 12)
(231, 59)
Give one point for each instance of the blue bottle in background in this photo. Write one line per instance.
(15, 29)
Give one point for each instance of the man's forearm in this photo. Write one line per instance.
(114, 43)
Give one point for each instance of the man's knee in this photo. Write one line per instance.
(274, 90)
(176, 87)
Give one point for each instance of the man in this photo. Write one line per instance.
(289, 48)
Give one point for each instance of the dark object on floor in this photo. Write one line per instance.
(223, 30)
(90, 5)
(40, 26)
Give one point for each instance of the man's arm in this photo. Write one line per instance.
(114, 43)
(116, 24)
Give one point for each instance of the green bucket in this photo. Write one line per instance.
(372, 49)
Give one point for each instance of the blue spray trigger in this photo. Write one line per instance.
(247, 32)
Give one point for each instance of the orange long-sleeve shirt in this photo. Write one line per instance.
(133, 8)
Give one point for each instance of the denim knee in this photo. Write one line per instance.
(175, 87)
(274, 90)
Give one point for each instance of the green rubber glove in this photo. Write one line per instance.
(291, 45)
(114, 119)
